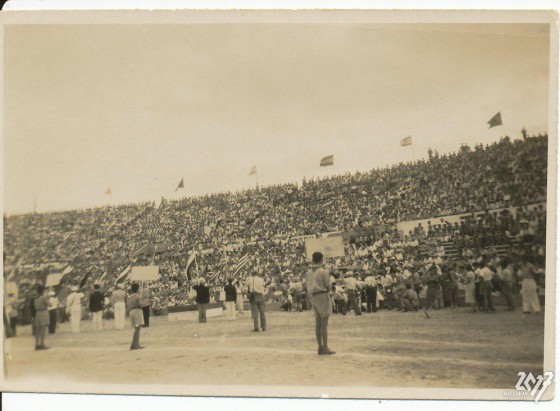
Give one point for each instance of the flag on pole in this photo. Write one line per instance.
(84, 280)
(191, 260)
(496, 120)
(327, 161)
(108, 192)
(406, 141)
(181, 184)
(243, 260)
(253, 170)
(122, 276)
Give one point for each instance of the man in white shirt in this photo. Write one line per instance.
(74, 308)
(351, 291)
(486, 287)
(256, 287)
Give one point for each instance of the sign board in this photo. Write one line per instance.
(330, 246)
(141, 273)
(53, 279)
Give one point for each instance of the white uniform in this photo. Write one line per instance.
(74, 308)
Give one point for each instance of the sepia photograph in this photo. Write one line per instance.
(351, 204)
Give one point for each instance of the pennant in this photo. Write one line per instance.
(67, 270)
(102, 277)
(253, 170)
(406, 141)
(108, 192)
(181, 184)
(495, 121)
(327, 161)
(122, 276)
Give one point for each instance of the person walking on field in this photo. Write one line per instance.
(202, 299)
(96, 307)
(256, 297)
(136, 315)
(239, 298)
(74, 308)
(118, 298)
(318, 287)
(231, 298)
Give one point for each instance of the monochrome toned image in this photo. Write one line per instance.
(282, 203)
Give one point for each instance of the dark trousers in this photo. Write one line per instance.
(257, 310)
(298, 300)
(146, 312)
(389, 298)
(52, 321)
(340, 306)
(486, 291)
(371, 299)
(202, 312)
(136, 338)
(507, 292)
(353, 302)
(13, 325)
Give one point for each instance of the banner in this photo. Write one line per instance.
(53, 279)
(147, 273)
(330, 247)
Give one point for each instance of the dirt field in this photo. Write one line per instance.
(453, 349)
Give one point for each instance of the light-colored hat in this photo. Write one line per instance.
(120, 286)
(349, 274)
(50, 293)
(74, 288)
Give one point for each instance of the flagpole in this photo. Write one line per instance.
(196, 264)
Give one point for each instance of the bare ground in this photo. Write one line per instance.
(451, 349)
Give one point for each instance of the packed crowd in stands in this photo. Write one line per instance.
(265, 222)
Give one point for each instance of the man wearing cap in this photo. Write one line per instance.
(318, 287)
(371, 292)
(256, 286)
(118, 298)
(96, 307)
(74, 308)
(202, 299)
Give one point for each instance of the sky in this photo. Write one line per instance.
(138, 107)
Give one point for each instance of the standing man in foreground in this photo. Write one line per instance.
(256, 297)
(202, 298)
(318, 288)
(96, 300)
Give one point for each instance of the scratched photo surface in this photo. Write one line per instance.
(295, 204)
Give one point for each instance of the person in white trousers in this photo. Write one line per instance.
(74, 308)
(118, 299)
(529, 293)
(231, 298)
